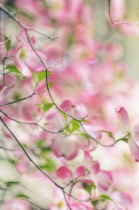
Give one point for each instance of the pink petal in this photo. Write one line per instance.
(134, 149)
(117, 9)
(123, 118)
(66, 105)
(95, 167)
(18, 203)
(105, 180)
(65, 147)
(135, 133)
(80, 111)
(88, 181)
(22, 166)
(80, 206)
(80, 172)
(92, 166)
(63, 173)
(93, 131)
(122, 199)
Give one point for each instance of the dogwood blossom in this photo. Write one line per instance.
(132, 133)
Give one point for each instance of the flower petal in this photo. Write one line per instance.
(63, 173)
(135, 132)
(134, 149)
(65, 147)
(80, 172)
(123, 118)
(105, 180)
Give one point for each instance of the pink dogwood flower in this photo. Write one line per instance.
(25, 58)
(20, 204)
(65, 174)
(65, 147)
(76, 110)
(132, 133)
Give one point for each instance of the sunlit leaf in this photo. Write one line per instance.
(20, 195)
(8, 43)
(110, 134)
(105, 197)
(11, 183)
(89, 187)
(74, 125)
(13, 69)
(49, 165)
(41, 75)
(47, 106)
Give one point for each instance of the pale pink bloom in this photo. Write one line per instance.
(90, 144)
(19, 204)
(117, 8)
(65, 147)
(129, 30)
(65, 174)
(122, 201)
(58, 201)
(119, 201)
(22, 166)
(92, 165)
(78, 111)
(124, 119)
(55, 121)
(105, 181)
(25, 58)
(81, 206)
(133, 133)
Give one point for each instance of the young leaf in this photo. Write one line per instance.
(8, 44)
(47, 106)
(11, 183)
(94, 202)
(75, 125)
(50, 85)
(49, 165)
(22, 196)
(105, 197)
(40, 143)
(84, 135)
(13, 69)
(110, 134)
(42, 75)
(89, 187)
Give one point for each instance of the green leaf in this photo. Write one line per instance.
(74, 125)
(41, 75)
(94, 202)
(45, 107)
(64, 115)
(8, 43)
(84, 135)
(20, 195)
(40, 143)
(105, 197)
(49, 165)
(100, 199)
(50, 85)
(110, 134)
(11, 183)
(89, 187)
(13, 161)
(13, 69)
(26, 14)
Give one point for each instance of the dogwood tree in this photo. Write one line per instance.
(67, 141)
